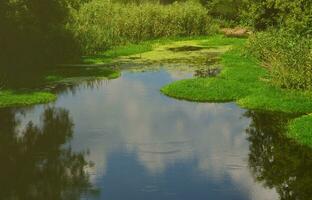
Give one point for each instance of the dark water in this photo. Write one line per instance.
(122, 139)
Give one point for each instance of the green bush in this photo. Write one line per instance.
(101, 24)
(287, 56)
(293, 15)
(226, 11)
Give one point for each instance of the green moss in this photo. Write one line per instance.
(300, 129)
(13, 99)
(110, 55)
(158, 49)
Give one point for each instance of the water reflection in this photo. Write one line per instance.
(145, 145)
(276, 161)
(148, 145)
(35, 163)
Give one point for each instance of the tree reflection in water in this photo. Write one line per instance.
(35, 162)
(277, 161)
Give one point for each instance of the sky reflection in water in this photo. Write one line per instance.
(148, 146)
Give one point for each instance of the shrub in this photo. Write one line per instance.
(294, 15)
(287, 56)
(227, 11)
(101, 24)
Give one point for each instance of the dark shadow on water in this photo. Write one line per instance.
(35, 163)
(185, 48)
(277, 161)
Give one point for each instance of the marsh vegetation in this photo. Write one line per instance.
(257, 55)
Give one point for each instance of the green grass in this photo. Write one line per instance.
(13, 98)
(300, 129)
(274, 99)
(206, 90)
(110, 55)
(69, 74)
(243, 80)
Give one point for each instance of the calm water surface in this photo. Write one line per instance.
(123, 139)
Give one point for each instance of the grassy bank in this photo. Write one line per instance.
(105, 57)
(10, 98)
(77, 74)
(243, 80)
(60, 76)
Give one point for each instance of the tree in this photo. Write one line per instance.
(276, 161)
(34, 34)
(294, 15)
(35, 163)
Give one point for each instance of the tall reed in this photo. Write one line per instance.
(102, 24)
(287, 56)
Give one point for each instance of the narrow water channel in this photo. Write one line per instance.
(122, 139)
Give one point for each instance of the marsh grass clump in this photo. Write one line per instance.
(288, 58)
(74, 75)
(10, 98)
(103, 24)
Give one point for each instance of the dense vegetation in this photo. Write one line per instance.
(32, 28)
(102, 24)
(58, 166)
(34, 36)
(287, 56)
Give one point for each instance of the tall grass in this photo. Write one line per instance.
(102, 24)
(287, 56)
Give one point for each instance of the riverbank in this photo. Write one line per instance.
(10, 98)
(243, 80)
(45, 92)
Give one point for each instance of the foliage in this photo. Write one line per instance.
(147, 1)
(100, 25)
(34, 35)
(35, 155)
(294, 15)
(227, 10)
(276, 161)
(287, 56)
(36, 25)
